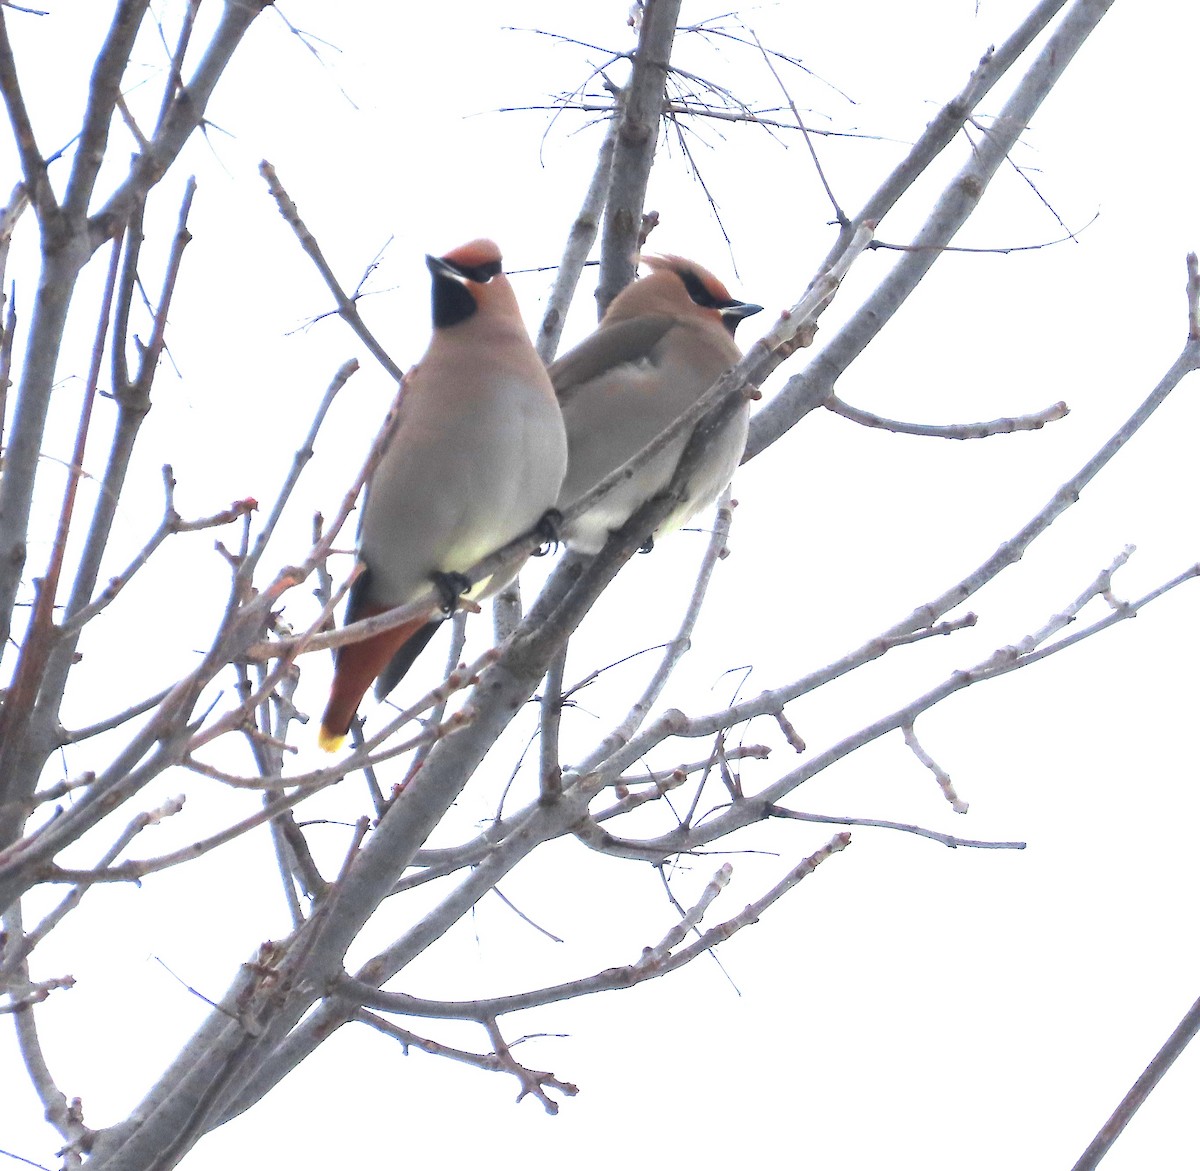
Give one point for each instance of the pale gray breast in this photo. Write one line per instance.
(462, 477)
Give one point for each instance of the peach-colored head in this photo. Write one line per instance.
(474, 254)
(681, 288)
(475, 268)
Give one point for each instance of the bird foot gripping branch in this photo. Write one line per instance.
(549, 529)
(451, 587)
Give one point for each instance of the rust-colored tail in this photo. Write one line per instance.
(355, 669)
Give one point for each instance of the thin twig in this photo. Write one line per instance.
(346, 307)
(579, 243)
(839, 215)
(654, 956)
(611, 979)
(940, 775)
(1005, 426)
(20, 949)
(949, 840)
(65, 1115)
(33, 163)
(682, 641)
(488, 1061)
(803, 392)
(299, 460)
(748, 810)
(1012, 550)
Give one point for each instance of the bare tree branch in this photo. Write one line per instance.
(1004, 426)
(748, 810)
(1014, 548)
(183, 115)
(73, 240)
(33, 163)
(949, 840)
(1174, 1045)
(579, 243)
(103, 94)
(804, 391)
(346, 307)
(290, 996)
(66, 1116)
(303, 455)
(637, 135)
(654, 962)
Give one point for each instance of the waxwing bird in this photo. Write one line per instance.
(665, 339)
(476, 458)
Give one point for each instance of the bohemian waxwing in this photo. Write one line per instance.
(476, 458)
(663, 342)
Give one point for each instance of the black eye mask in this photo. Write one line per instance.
(699, 292)
(731, 310)
(479, 273)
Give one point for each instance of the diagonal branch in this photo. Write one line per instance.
(951, 841)
(746, 811)
(950, 119)
(653, 963)
(33, 163)
(347, 307)
(184, 114)
(1174, 1045)
(678, 645)
(1014, 548)
(301, 458)
(805, 391)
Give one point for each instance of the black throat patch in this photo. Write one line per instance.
(452, 301)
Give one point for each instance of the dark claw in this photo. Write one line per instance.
(647, 546)
(549, 528)
(451, 586)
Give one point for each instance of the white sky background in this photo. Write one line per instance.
(907, 1005)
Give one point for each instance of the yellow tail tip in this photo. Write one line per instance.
(330, 741)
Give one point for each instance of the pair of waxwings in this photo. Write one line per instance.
(487, 440)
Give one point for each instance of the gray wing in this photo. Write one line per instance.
(611, 345)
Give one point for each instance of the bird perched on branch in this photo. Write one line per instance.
(476, 458)
(665, 339)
